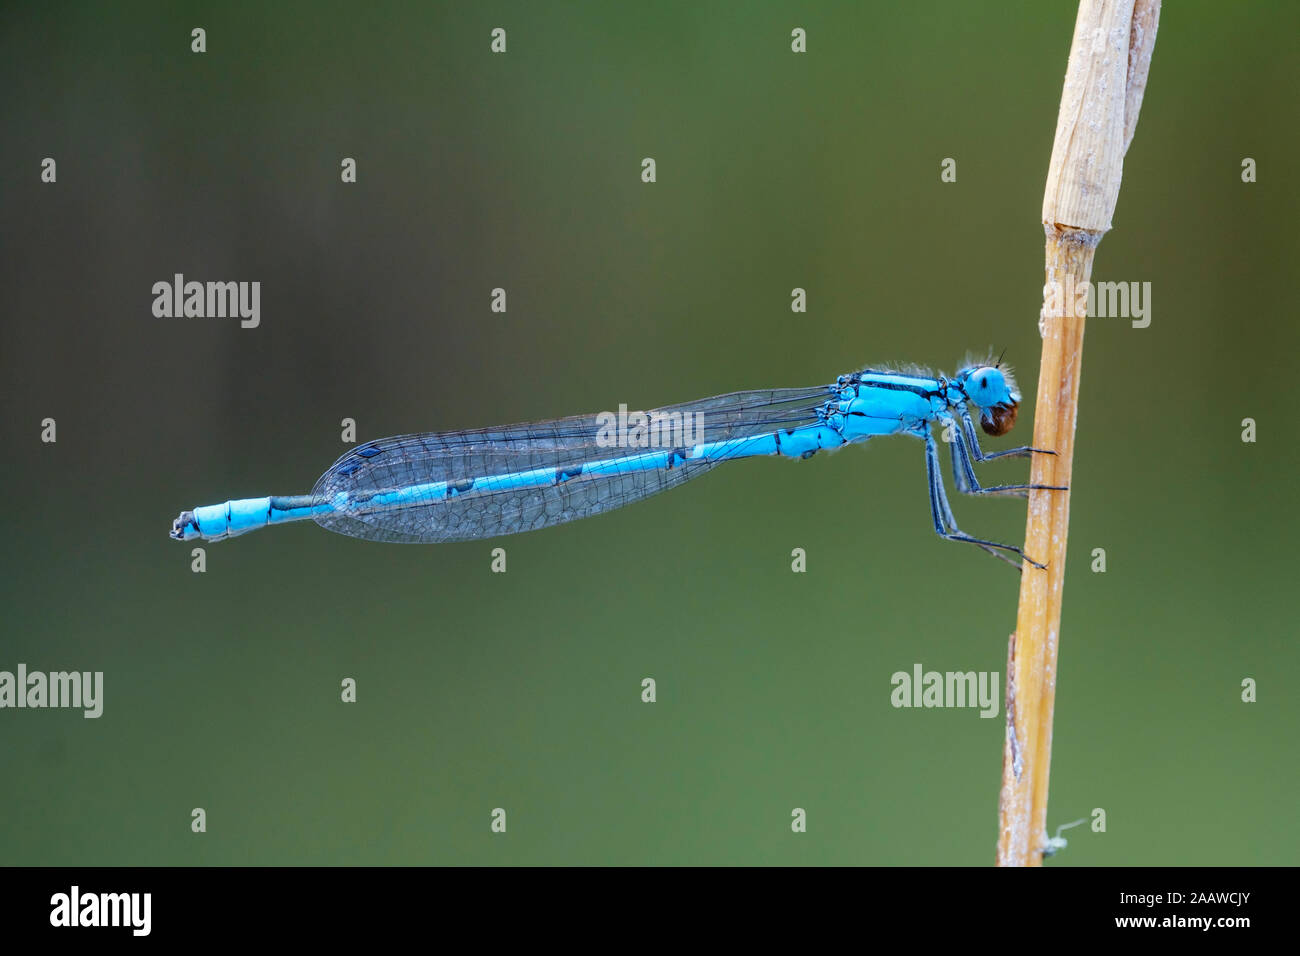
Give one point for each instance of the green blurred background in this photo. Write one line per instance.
(521, 691)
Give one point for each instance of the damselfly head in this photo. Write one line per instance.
(992, 389)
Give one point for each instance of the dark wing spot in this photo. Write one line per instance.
(369, 451)
(459, 487)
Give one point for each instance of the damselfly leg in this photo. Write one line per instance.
(973, 443)
(945, 523)
(963, 472)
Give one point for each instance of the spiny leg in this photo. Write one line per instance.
(973, 443)
(963, 473)
(940, 509)
(945, 524)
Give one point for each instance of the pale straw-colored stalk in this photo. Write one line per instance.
(1104, 81)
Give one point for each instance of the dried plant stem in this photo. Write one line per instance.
(1109, 59)
(1031, 671)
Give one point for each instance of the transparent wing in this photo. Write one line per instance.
(492, 508)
